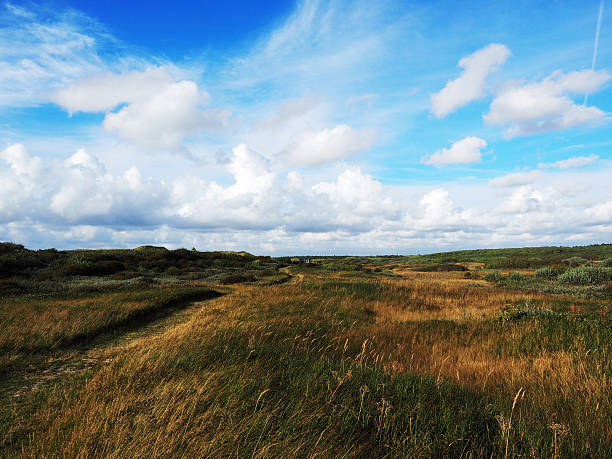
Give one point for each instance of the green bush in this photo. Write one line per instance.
(607, 263)
(585, 275)
(522, 311)
(493, 276)
(238, 278)
(514, 262)
(443, 267)
(516, 276)
(575, 261)
(547, 272)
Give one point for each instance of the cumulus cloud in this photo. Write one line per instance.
(328, 145)
(77, 191)
(88, 194)
(17, 156)
(600, 213)
(18, 183)
(436, 211)
(105, 91)
(576, 161)
(515, 179)
(159, 112)
(469, 85)
(250, 202)
(355, 194)
(164, 119)
(524, 199)
(464, 151)
(81, 200)
(436, 206)
(546, 105)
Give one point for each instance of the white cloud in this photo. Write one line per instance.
(436, 206)
(38, 56)
(355, 194)
(464, 151)
(159, 112)
(600, 213)
(327, 145)
(524, 199)
(18, 184)
(82, 159)
(470, 85)
(17, 156)
(320, 41)
(252, 201)
(104, 92)
(165, 118)
(88, 194)
(79, 200)
(576, 161)
(515, 179)
(546, 105)
(273, 132)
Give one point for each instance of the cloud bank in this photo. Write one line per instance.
(267, 210)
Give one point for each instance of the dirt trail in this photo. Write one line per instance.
(47, 368)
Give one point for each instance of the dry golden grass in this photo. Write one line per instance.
(243, 377)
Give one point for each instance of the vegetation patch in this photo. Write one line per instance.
(331, 358)
(442, 267)
(585, 275)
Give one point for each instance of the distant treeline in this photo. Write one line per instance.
(16, 261)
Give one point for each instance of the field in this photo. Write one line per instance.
(155, 353)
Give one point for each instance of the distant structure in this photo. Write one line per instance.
(305, 259)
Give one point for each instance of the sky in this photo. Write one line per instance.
(307, 127)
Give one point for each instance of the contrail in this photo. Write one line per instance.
(597, 34)
(601, 5)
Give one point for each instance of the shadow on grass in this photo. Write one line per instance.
(160, 308)
(137, 319)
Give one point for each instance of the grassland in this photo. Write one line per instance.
(456, 355)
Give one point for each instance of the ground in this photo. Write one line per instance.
(381, 356)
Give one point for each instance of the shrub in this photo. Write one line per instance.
(514, 263)
(493, 276)
(521, 311)
(607, 263)
(585, 275)
(173, 271)
(10, 247)
(547, 272)
(103, 268)
(11, 287)
(238, 278)
(444, 267)
(125, 275)
(575, 261)
(516, 276)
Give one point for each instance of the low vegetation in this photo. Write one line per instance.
(353, 356)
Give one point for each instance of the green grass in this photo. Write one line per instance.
(39, 325)
(335, 361)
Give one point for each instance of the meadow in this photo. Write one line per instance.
(502, 353)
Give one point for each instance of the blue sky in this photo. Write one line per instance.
(307, 127)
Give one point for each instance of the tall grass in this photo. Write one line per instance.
(334, 366)
(31, 325)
